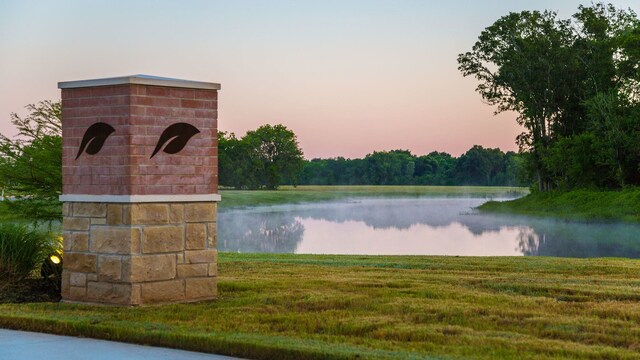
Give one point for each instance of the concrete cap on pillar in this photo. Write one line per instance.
(139, 79)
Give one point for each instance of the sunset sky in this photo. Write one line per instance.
(348, 77)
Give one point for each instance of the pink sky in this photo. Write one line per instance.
(348, 77)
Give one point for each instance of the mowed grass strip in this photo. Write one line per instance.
(335, 307)
(313, 193)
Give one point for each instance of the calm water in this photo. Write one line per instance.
(416, 226)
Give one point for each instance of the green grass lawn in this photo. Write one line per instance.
(578, 205)
(310, 306)
(290, 194)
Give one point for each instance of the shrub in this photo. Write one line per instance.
(22, 250)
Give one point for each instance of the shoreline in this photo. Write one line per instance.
(579, 205)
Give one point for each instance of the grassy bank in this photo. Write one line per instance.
(578, 205)
(319, 307)
(290, 194)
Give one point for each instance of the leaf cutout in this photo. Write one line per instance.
(179, 134)
(94, 138)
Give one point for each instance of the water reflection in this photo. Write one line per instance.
(417, 226)
(262, 232)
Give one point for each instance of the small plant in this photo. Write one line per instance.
(22, 250)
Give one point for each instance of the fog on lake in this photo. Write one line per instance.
(416, 226)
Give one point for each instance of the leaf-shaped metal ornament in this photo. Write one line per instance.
(94, 138)
(177, 135)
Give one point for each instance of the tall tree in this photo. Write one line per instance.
(548, 70)
(520, 61)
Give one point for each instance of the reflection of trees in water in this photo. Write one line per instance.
(393, 213)
(279, 228)
(528, 240)
(261, 232)
(547, 238)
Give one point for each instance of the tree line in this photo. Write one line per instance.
(270, 156)
(478, 166)
(575, 85)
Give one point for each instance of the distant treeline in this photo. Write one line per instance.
(271, 156)
(478, 166)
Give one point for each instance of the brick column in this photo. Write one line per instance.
(139, 190)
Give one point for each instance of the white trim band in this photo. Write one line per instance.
(139, 79)
(140, 198)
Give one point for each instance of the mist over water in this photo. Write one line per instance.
(416, 226)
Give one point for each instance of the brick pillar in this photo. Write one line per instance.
(140, 189)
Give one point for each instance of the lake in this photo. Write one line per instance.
(416, 226)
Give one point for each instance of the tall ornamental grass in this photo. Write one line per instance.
(22, 250)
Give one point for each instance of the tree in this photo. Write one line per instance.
(480, 166)
(236, 167)
(615, 119)
(515, 173)
(394, 167)
(436, 168)
(275, 154)
(549, 70)
(520, 61)
(31, 163)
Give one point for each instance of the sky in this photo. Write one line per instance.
(349, 77)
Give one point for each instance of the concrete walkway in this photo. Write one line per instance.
(22, 345)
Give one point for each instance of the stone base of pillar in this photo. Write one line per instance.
(139, 254)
